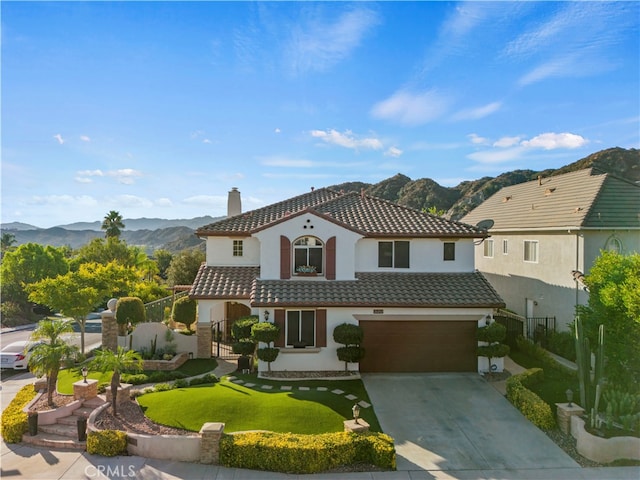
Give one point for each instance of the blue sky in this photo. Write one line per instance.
(158, 109)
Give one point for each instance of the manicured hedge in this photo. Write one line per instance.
(531, 405)
(107, 443)
(14, 419)
(295, 453)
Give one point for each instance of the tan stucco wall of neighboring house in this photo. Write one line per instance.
(546, 287)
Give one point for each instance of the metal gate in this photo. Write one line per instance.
(514, 324)
(222, 341)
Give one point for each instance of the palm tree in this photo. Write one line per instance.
(112, 224)
(52, 353)
(118, 362)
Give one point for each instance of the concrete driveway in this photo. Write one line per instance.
(457, 421)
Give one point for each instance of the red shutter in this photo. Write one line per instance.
(321, 328)
(285, 257)
(279, 321)
(331, 259)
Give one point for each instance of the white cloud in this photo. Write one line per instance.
(64, 200)
(83, 180)
(85, 138)
(479, 112)
(133, 201)
(347, 139)
(164, 202)
(393, 152)
(277, 130)
(125, 176)
(477, 140)
(59, 138)
(317, 45)
(411, 108)
(206, 200)
(552, 141)
(497, 156)
(206, 140)
(90, 173)
(506, 142)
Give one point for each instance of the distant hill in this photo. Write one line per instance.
(145, 223)
(458, 201)
(177, 235)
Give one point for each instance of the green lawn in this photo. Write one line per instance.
(190, 368)
(552, 389)
(241, 408)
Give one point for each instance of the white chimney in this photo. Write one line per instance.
(234, 204)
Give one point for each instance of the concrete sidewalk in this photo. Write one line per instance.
(23, 462)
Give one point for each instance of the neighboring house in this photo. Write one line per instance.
(324, 258)
(548, 232)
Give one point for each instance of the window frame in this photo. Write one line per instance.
(487, 245)
(397, 254)
(526, 251)
(238, 248)
(449, 255)
(300, 328)
(318, 245)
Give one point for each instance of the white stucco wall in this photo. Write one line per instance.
(425, 255)
(220, 251)
(307, 225)
(326, 358)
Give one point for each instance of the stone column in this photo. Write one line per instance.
(124, 393)
(211, 434)
(564, 414)
(358, 427)
(85, 391)
(109, 330)
(203, 331)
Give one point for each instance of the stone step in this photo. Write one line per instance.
(70, 420)
(53, 441)
(83, 412)
(95, 402)
(70, 431)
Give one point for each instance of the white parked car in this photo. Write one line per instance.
(16, 355)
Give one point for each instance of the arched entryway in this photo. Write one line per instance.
(221, 337)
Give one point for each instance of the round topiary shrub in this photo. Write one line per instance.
(348, 334)
(129, 310)
(107, 443)
(241, 328)
(184, 311)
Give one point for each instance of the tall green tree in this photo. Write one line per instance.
(614, 301)
(52, 353)
(78, 293)
(163, 259)
(112, 224)
(117, 362)
(27, 264)
(6, 242)
(184, 267)
(104, 251)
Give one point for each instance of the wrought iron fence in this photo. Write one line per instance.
(156, 309)
(514, 325)
(540, 329)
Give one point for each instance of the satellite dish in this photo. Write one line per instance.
(485, 224)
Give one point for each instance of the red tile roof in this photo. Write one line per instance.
(370, 216)
(380, 289)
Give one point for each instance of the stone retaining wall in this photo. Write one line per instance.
(603, 450)
(166, 365)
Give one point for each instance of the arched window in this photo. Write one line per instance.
(614, 244)
(308, 255)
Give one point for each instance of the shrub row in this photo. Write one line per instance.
(14, 419)
(295, 453)
(152, 377)
(531, 405)
(536, 351)
(180, 383)
(107, 443)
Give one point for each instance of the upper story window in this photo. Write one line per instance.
(531, 251)
(393, 254)
(505, 247)
(301, 328)
(488, 248)
(237, 248)
(308, 255)
(614, 244)
(449, 251)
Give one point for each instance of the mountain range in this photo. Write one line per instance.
(424, 193)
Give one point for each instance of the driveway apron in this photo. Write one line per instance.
(457, 421)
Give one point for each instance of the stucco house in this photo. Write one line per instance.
(315, 261)
(547, 232)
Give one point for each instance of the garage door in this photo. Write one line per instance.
(419, 346)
